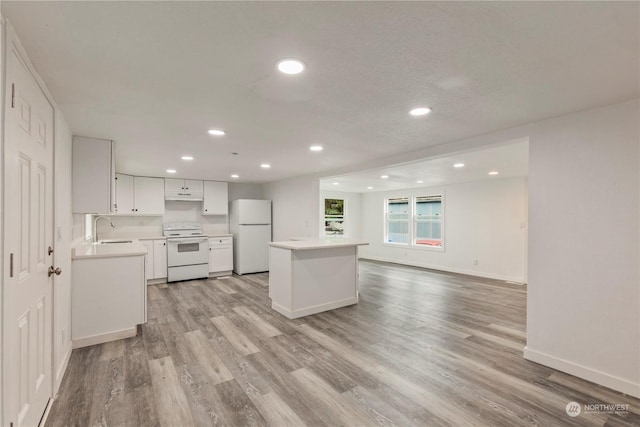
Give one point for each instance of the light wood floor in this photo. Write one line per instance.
(421, 348)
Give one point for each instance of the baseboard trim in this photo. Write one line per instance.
(515, 280)
(102, 338)
(314, 309)
(601, 378)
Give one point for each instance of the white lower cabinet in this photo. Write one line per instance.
(155, 264)
(159, 259)
(148, 259)
(220, 254)
(108, 299)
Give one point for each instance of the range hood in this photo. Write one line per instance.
(183, 189)
(191, 196)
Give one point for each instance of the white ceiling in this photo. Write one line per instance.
(509, 160)
(154, 76)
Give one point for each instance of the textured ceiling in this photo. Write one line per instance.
(510, 160)
(154, 76)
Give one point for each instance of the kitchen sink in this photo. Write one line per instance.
(115, 241)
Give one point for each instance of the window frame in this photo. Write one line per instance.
(415, 221)
(412, 222)
(325, 216)
(387, 221)
(88, 227)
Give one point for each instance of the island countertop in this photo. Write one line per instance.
(108, 250)
(300, 245)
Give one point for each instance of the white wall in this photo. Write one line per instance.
(245, 191)
(353, 221)
(482, 220)
(294, 207)
(583, 302)
(63, 237)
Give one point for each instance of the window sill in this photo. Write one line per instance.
(415, 247)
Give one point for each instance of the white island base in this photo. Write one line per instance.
(308, 277)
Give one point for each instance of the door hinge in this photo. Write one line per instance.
(13, 95)
(10, 265)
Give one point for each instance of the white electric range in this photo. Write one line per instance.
(187, 251)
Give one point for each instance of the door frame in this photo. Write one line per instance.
(8, 37)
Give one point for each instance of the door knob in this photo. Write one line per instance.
(52, 271)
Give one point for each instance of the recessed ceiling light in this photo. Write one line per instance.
(290, 66)
(494, 173)
(216, 132)
(458, 165)
(384, 176)
(187, 157)
(335, 183)
(420, 111)
(171, 171)
(316, 148)
(235, 176)
(420, 181)
(369, 188)
(265, 165)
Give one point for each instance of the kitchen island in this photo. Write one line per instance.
(312, 276)
(109, 294)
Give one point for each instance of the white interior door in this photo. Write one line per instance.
(28, 207)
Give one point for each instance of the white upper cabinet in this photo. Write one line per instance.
(139, 195)
(124, 194)
(183, 189)
(216, 195)
(148, 195)
(93, 175)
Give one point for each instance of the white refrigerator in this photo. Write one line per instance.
(250, 224)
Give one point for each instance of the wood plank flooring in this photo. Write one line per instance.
(421, 348)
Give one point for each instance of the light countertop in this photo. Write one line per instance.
(155, 236)
(300, 245)
(108, 250)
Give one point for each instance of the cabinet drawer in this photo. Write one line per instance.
(220, 241)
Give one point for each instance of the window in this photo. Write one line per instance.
(428, 221)
(415, 221)
(88, 227)
(334, 218)
(398, 221)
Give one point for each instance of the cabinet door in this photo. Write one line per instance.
(148, 259)
(124, 194)
(159, 258)
(92, 182)
(173, 185)
(220, 254)
(148, 195)
(193, 185)
(216, 195)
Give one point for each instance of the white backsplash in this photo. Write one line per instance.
(151, 226)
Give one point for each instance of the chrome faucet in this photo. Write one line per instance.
(95, 226)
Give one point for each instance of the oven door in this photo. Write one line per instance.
(187, 251)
